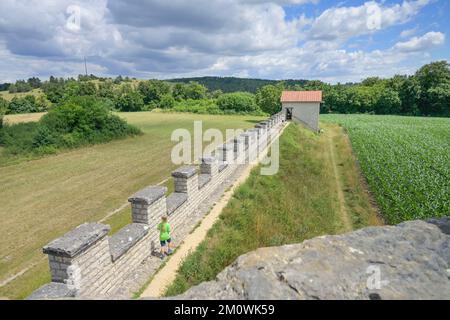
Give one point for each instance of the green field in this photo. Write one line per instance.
(406, 161)
(44, 198)
(300, 202)
(9, 96)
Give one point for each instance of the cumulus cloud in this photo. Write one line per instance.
(158, 38)
(331, 64)
(345, 22)
(427, 41)
(408, 33)
(39, 28)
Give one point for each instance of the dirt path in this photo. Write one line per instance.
(347, 224)
(167, 274)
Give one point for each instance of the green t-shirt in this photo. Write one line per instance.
(164, 231)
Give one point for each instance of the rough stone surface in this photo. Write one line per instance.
(76, 240)
(175, 200)
(52, 290)
(185, 172)
(148, 195)
(126, 238)
(407, 261)
(203, 179)
(208, 160)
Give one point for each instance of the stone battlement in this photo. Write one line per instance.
(86, 261)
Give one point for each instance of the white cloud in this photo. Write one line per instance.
(408, 32)
(425, 42)
(335, 64)
(341, 23)
(155, 38)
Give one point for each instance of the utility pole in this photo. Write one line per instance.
(85, 66)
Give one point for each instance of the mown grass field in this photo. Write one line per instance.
(318, 190)
(406, 161)
(23, 117)
(9, 96)
(44, 198)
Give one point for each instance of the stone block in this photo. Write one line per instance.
(76, 241)
(126, 238)
(147, 195)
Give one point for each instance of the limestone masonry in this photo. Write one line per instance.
(407, 261)
(87, 262)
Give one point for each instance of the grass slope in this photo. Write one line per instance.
(44, 198)
(300, 202)
(406, 161)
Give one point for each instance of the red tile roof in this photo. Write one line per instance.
(301, 96)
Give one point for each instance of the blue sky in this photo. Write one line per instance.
(274, 39)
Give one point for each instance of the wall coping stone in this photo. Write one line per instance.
(75, 241)
(185, 172)
(126, 238)
(208, 160)
(203, 179)
(175, 200)
(148, 195)
(52, 290)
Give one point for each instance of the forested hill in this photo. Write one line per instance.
(232, 84)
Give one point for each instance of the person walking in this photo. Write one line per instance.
(164, 237)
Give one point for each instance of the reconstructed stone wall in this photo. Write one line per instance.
(88, 262)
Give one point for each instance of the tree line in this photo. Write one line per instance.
(233, 84)
(425, 93)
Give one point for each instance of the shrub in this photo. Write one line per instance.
(22, 105)
(85, 120)
(54, 90)
(3, 110)
(28, 104)
(167, 102)
(204, 106)
(193, 90)
(18, 138)
(79, 121)
(153, 90)
(131, 101)
(242, 102)
(268, 98)
(20, 86)
(106, 90)
(43, 137)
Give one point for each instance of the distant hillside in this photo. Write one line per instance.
(231, 84)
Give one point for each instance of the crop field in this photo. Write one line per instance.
(405, 160)
(44, 198)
